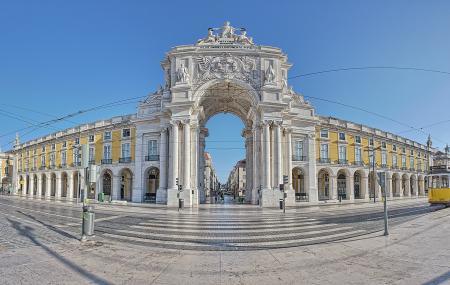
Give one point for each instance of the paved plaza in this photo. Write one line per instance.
(221, 244)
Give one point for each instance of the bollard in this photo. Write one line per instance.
(281, 204)
(88, 222)
(180, 204)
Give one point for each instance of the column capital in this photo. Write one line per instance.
(185, 121)
(175, 123)
(277, 123)
(265, 123)
(164, 130)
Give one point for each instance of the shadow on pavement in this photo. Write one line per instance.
(27, 231)
(441, 279)
(50, 227)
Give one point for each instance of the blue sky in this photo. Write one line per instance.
(58, 57)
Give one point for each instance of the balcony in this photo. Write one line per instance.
(153, 157)
(298, 158)
(342, 161)
(394, 167)
(42, 167)
(384, 166)
(358, 163)
(125, 160)
(62, 165)
(91, 162)
(107, 161)
(33, 168)
(412, 169)
(76, 163)
(323, 160)
(404, 168)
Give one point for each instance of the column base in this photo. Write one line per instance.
(270, 198)
(161, 196)
(172, 197)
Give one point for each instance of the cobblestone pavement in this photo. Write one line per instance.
(211, 227)
(40, 246)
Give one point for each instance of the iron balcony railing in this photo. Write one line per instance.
(76, 163)
(106, 161)
(42, 167)
(153, 157)
(91, 162)
(33, 168)
(412, 169)
(383, 165)
(358, 163)
(324, 160)
(394, 167)
(125, 160)
(404, 168)
(298, 158)
(342, 161)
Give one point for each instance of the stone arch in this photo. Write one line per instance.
(359, 187)
(52, 184)
(324, 183)
(412, 185)
(126, 184)
(343, 183)
(43, 184)
(226, 96)
(64, 184)
(396, 185)
(75, 184)
(151, 182)
(298, 183)
(107, 184)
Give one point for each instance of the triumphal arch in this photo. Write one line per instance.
(225, 72)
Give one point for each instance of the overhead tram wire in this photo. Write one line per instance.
(292, 77)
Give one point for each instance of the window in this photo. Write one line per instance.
(403, 149)
(43, 148)
(358, 154)
(126, 133)
(63, 158)
(91, 138)
(64, 144)
(411, 152)
(34, 151)
(394, 160)
(383, 158)
(126, 150)
(419, 164)
(371, 141)
(76, 156)
(152, 147)
(358, 139)
(107, 151)
(371, 161)
(43, 160)
(77, 141)
(53, 146)
(418, 154)
(411, 162)
(383, 144)
(394, 147)
(52, 159)
(34, 162)
(403, 161)
(298, 149)
(342, 152)
(324, 133)
(324, 151)
(107, 135)
(91, 154)
(342, 136)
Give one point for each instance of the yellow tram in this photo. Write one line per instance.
(439, 189)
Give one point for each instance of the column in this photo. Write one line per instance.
(172, 191)
(278, 155)
(161, 193)
(70, 186)
(201, 167)
(195, 164)
(399, 186)
(351, 187)
(187, 163)
(388, 188)
(256, 153)
(31, 186)
(365, 186)
(311, 176)
(58, 186)
(416, 188)
(289, 158)
(48, 185)
(25, 186)
(408, 187)
(116, 184)
(266, 156)
(39, 186)
(333, 187)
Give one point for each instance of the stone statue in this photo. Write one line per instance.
(182, 74)
(227, 31)
(210, 38)
(270, 75)
(284, 83)
(243, 39)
